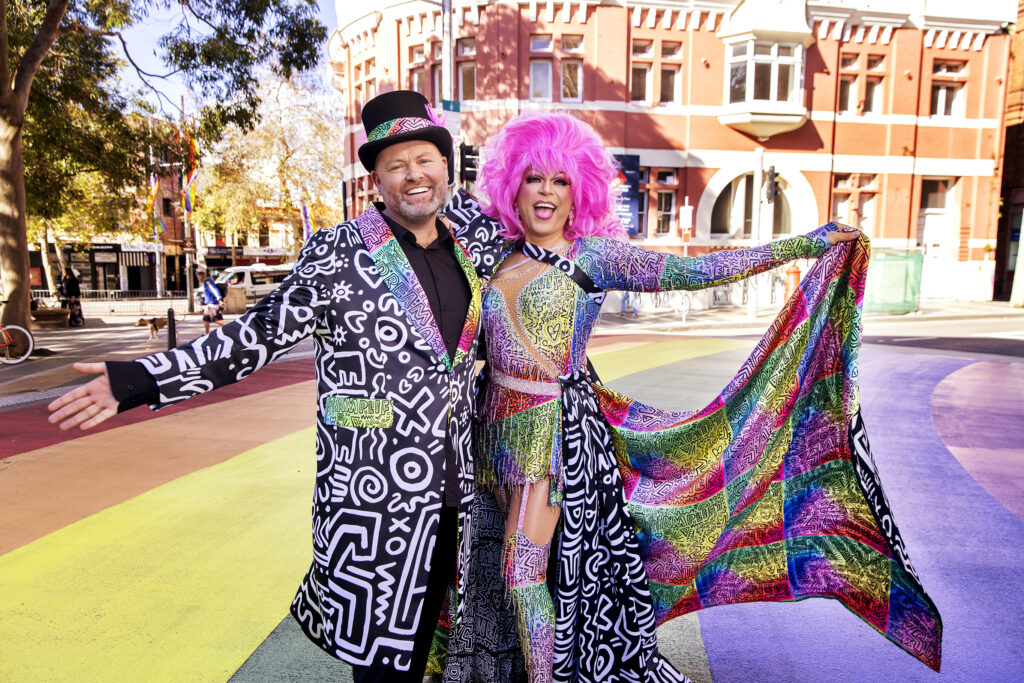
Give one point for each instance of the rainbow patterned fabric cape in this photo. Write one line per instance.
(770, 492)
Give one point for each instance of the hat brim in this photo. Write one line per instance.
(437, 135)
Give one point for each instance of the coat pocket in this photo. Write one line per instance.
(349, 411)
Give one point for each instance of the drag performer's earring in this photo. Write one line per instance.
(515, 208)
(572, 216)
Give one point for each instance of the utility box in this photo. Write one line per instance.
(894, 281)
(234, 300)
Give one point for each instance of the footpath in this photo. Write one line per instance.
(48, 372)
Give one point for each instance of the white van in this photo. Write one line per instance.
(258, 279)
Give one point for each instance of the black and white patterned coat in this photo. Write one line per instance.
(387, 395)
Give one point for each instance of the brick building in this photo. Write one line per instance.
(889, 115)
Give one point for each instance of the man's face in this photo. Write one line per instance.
(412, 177)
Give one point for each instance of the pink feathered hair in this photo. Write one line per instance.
(549, 143)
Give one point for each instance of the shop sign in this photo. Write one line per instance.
(218, 251)
(627, 208)
(263, 251)
(104, 257)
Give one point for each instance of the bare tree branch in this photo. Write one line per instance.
(188, 5)
(142, 73)
(36, 53)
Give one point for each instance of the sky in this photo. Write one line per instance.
(142, 45)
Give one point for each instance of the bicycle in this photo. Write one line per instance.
(16, 343)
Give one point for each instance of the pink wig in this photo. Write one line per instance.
(549, 143)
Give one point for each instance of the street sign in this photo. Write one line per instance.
(628, 183)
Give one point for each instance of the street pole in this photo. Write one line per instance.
(447, 68)
(755, 230)
(189, 275)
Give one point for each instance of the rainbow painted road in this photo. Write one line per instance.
(168, 546)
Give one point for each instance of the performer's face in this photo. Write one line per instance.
(544, 201)
(412, 178)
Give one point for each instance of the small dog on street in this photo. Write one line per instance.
(154, 324)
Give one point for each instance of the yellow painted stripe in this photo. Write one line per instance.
(180, 583)
(612, 365)
(185, 581)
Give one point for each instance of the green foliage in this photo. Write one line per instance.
(261, 173)
(89, 146)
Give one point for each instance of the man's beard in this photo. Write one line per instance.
(418, 212)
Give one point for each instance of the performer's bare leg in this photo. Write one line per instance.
(529, 526)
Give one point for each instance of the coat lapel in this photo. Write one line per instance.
(473, 314)
(397, 273)
(399, 277)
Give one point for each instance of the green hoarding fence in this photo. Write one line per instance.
(894, 281)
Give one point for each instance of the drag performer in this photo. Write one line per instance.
(654, 513)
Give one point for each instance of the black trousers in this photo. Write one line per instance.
(442, 573)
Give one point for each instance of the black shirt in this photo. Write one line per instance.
(447, 291)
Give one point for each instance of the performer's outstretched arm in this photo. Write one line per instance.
(624, 266)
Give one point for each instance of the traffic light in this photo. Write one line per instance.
(469, 159)
(772, 188)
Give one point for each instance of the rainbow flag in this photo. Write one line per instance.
(190, 192)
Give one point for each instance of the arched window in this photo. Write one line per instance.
(733, 212)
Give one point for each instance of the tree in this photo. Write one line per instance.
(265, 172)
(216, 46)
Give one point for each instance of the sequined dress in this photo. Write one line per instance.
(538, 321)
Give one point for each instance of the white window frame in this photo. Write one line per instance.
(679, 49)
(542, 42)
(956, 107)
(578, 63)
(851, 95)
(675, 85)
(637, 42)
(422, 73)
(466, 47)
(541, 64)
(417, 54)
(671, 213)
(874, 104)
(436, 78)
(462, 86)
(571, 50)
(749, 59)
(647, 68)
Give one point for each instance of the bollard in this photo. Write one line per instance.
(172, 334)
(792, 279)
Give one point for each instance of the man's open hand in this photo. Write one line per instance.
(87, 405)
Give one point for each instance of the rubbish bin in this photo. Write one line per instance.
(234, 300)
(894, 281)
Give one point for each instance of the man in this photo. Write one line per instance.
(393, 304)
(213, 310)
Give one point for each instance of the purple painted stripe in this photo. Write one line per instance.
(964, 544)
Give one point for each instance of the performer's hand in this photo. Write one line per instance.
(87, 405)
(845, 233)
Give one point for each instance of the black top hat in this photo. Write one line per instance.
(398, 116)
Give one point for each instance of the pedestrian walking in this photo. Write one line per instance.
(213, 303)
(72, 293)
